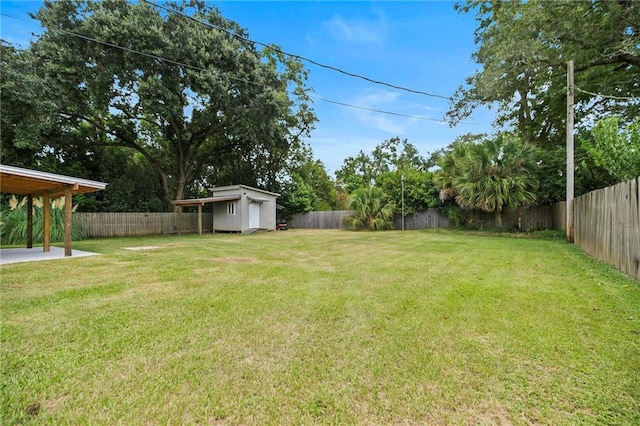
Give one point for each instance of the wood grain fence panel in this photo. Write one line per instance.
(432, 218)
(319, 220)
(521, 218)
(607, 225)
(107, 225)
(559, 216)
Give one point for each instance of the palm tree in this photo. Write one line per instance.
(371, 211)
(451, 166)
(490, 175)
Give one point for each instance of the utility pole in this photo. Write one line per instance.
(402, 185)
(570, 161)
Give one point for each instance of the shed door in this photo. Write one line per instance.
(254, 215)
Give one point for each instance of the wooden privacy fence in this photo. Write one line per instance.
(542, 217)
(521, 218)
(319, 220)
(102, 225)
(432, 218)
(607, 225)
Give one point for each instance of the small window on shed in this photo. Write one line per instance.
(231, 209)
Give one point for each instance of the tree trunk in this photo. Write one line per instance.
(498, 219)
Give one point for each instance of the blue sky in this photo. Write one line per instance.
(422, 45)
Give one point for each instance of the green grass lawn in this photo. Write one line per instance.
(321, 327)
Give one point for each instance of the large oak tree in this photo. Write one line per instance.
(196, 100)
(523, 50)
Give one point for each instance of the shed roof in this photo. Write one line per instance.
(202, 201)
(19, 181)
(227, 188)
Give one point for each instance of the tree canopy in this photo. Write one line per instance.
(616, 149)
(195, 101)
(305, 186)
(523, 50)
(384, 167)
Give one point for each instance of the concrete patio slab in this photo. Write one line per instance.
(16, 255)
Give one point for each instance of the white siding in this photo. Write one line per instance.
(264, 206)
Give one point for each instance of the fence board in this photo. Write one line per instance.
(559, 216)
(521, 218)
(319, 220)
(107, 225)
(432, 218)
(607, 225)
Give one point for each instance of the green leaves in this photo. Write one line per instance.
(190, 97)
(371, 210)
(523, 48)
(13, 223)
(616, 148)
(489, 175)
(384, 167)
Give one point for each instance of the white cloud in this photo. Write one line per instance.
(382, 101)
(355, 31)
(334, 147)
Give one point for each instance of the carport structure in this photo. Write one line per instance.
(199, 202)
(33, 183)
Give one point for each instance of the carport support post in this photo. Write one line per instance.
(29, 221)
(46, 225)
(67, 220)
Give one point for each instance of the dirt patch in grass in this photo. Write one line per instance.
(142, 248)
(235, 259)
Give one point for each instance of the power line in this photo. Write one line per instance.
(416, 117)
(618, 98)
(171, 61)
(302, 58)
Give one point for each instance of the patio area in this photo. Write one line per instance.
(17, 255)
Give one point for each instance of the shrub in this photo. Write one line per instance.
(13, 222)
(371, 211)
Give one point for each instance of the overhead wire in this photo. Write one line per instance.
(300, 57)
(416, 117)
(171, 61)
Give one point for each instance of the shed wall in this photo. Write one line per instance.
(224, 222)
(239, 222)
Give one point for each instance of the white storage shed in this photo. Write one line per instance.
(245, 209)
(237, 208)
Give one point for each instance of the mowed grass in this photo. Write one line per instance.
(321, 327)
